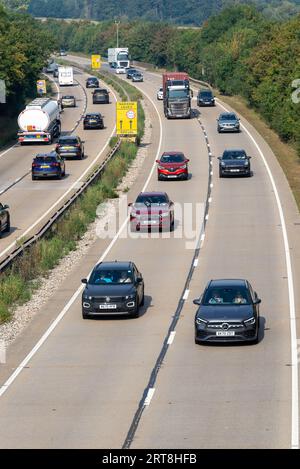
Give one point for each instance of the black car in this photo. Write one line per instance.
(234, 163)
(48, 165)
(228, 311)
(70, 146)
(101, 96)
(92, 82)
(205, 98)
(130, 72)
(4, 219)
(228, 122)
(93, 121)
(114, 289)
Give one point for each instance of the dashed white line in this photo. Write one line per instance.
(196, 262)
(171, 337)
(186, 295)
(149, 396)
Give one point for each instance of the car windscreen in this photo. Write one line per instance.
(205, 94)
(234, 155)
(100, 93)
(45, 159)
(151, 200)
(68, 97)
(226, 296)
(69, 141)
(178, 158)
(228, 117)
(111, 277)
(91, 116)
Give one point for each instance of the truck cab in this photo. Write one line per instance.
(177, 95)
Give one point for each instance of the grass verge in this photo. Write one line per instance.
(286, 155)
(19, 282)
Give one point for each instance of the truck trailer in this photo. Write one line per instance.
(39, 122)
(177, 95)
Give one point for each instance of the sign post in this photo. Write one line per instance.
(96, 62)
(41, 87)
(127, 120)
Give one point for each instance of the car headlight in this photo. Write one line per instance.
(130, 297)
(164, 215)
(246, 163)
(183, 166)
(250, 322)
(223, 164)
(200, 321)
(160, 167)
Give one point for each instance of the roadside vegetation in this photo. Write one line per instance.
(19, 281)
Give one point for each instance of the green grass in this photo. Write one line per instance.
(18, 283)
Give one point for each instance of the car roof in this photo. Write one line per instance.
(100, 89)
(114, 265)
(52, 153)
(68, 96)
(235, 150)
(227, 114)
(227, 283)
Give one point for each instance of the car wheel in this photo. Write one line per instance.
(34, 178)
(59, 176)
(7, 229)
(135, 313)
(220, 174)
(143, 299)
(85, 315)
(186, 177)
(197, 341)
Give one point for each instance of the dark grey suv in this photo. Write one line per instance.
(234, 163)
(228, 311)
(4, 219)
(113, 289)
(228, 122)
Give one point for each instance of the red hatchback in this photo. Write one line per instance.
(152, 210)
(172, 165)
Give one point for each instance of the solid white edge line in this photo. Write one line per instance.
(66, 308)
(294, 357)
(73, 186)
(149, 396)
(171, 338)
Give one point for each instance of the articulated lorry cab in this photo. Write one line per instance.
(119, 56)
(39, 121)
(177, 95)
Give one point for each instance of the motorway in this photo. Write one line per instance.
(85, 384)
(33, 202)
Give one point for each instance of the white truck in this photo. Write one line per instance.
(39, 121)
(65, 76)
(119, 56)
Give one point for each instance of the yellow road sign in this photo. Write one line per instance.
(41, 86)
(96, 62)
(127, 118)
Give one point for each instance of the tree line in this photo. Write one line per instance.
(25, 45)
(238, 51)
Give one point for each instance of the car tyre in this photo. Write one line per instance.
(220, 174)
(143, 300)
(85, 315)
(7, 229)
(135, 313)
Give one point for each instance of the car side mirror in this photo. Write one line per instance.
(5, 207)
(257, 301)
(139, 279)
(249, 157)
(157, 161)
(197, 301)
(130, 204)
(84, 280)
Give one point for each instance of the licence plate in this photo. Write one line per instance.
(45, 166)
(67, 148)
(171, 176)
(93, 121)
(225, 333)
(108, 306)
(149, 222)
(38, 136)
(234, 170)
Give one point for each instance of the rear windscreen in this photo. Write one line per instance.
(45, 159)
(71, 141)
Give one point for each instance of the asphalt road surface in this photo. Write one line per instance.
(84, 384)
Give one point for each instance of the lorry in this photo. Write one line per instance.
(119, 56)
(65, 76)
(39, 121)
(177, 95)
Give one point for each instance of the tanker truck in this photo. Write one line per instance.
(39, 121)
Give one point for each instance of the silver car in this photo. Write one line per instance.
(228, 122)
(68, 101)
(160, 94)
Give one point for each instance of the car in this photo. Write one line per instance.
(70, 146)
(55, 73)
(137, 77)
(228, 122)
(120, 70)
(160, 94)
(62, 52)
(101, 96)
(234, 163)
(172, 165)
(93, 120)
(92, 82)
(46, 165)
(4, 219)
(205, 98)
(228, 311)
(113, 289)
(68, 101)
(130, 71)
(152, 210)
(114, 65)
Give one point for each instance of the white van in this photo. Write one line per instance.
(65, 76)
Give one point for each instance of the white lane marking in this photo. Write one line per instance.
(149, 396)
(207, 217)
(186, 295)
(196, 262)
(73, 186)
(211, 185)
(171, 337)
(24, 363)
(210, 200)
(294, 358)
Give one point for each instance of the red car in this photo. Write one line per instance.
(152, 210)
(172, 165)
